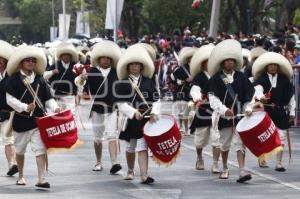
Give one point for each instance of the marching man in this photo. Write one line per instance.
(229, 91)
(6, 50)
(272, 73)
(134, 96)
(28, 94)
(100, 82)
(202, 122)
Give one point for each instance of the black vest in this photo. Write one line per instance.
(203, 114)
(4, 108)
(280, 96)
(103, 102)
(241, 86)
(63, 82)
(183, 91)
(15, 87)
(125, 93)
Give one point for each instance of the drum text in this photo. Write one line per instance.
(60, 129)
(267, 134)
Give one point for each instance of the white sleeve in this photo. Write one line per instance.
(259, 92)
(172, 77)
(196, 93)
(217, 105)
(156, 107)
(179, 82)
(48, 74)
(292, 106)
(126, 109)
(16, 104)
(51, 104)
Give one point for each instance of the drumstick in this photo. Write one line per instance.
(34, 99)
(139, 92)
(146, 112)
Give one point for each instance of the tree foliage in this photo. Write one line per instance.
(151, 16)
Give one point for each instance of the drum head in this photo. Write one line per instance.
(248, 123)
(162, 125)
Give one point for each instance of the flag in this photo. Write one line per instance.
(113, 9)
(62, 29)
(83, 23)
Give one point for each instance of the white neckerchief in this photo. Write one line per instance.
(273, 79)
(104, 72)
(65, 65)
(229, 76)
(30, 78)
(2, 75)
(135, 79)
(243, 69)
(207, 75)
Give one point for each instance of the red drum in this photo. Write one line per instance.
(259, 134)
(58, 130)
(163, 138)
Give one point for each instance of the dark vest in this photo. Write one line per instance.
(63, 82)
(15, 87)
(203, 114)
(4, 108)
(183, 91)
(103, 102)
(125, 93)
(280, 96)
(241, 86)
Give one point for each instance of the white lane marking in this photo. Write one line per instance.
(251, 170)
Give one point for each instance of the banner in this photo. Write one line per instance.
(113, 9)
(53, 33)
(83, 23)
(64, 29)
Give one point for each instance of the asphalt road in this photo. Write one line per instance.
(72, 177)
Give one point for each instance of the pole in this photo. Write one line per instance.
(83, 16)
(53, 20)
(214, 19)
(115, 21)
(65, 20)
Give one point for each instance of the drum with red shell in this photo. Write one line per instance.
(259, 133)
(163, 138)
(58, 130)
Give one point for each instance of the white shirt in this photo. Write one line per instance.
(196, 90)
(104, 71)
(129, 110)
(273, 79)
(229, 77)
(65, 65)
(30, 78)
(19, 106)
(2, 75)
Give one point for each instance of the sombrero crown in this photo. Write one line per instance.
(21, 53)
(135, 54)
(227, 49)
(105, 48)
(272, 58)
(200, 56)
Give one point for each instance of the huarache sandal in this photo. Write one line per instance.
(98, 167)
(148, 180)
(115, 168)
(43, 185)
(199, 164)
(21, 182)
(262, 164)
(244, 178)
(280, 168)
(224, 174)
(13, 170)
